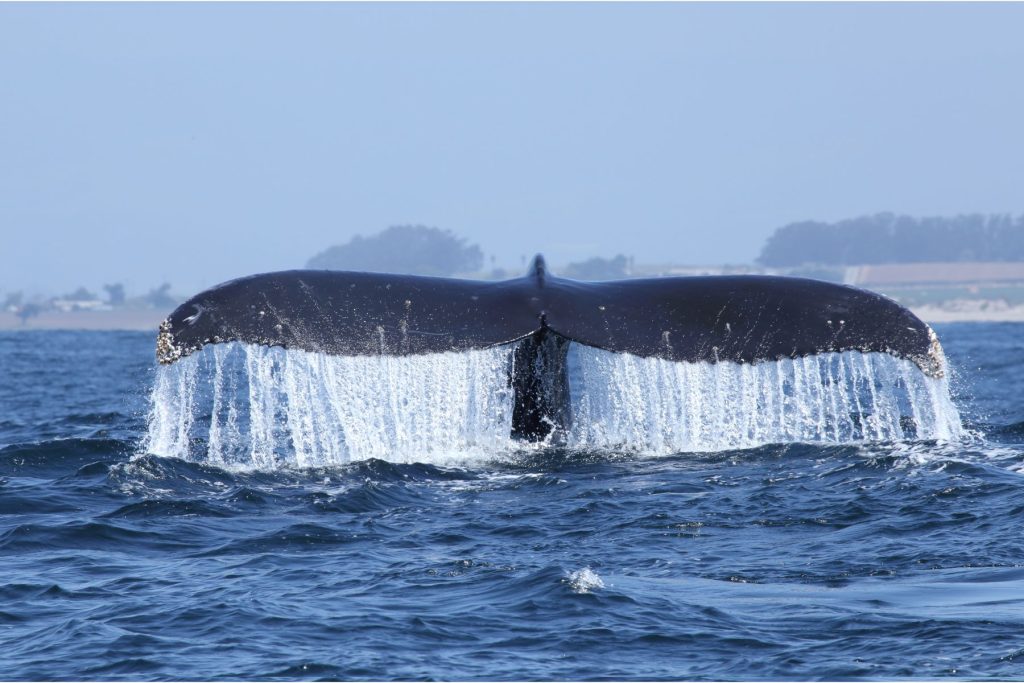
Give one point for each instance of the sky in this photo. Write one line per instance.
(193, 143)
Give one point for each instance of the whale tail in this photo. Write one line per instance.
(740, 319)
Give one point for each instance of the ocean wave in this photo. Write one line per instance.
(782, 560)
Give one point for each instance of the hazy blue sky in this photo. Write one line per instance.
(194, 143)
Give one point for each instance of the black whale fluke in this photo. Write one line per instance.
(742, 318)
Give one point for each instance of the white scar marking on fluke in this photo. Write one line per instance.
(195, 316)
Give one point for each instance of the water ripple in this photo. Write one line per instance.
(781, 561)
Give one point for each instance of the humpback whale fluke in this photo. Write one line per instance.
(743, 319)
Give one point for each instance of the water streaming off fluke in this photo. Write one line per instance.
(658, 406)
(254, 406)
(262, 406)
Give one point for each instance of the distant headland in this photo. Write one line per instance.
(946, 269)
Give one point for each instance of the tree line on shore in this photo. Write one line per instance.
(874, 239)
(808, 245)
(425, 250)
(891, 238)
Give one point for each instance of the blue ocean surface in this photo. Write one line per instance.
(900, 559)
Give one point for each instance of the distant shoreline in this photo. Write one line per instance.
(149, 320)
(144, 320)
(970, 312)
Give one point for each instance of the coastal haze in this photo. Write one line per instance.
(190, 144)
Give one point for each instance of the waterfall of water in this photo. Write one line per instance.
(253, 406)
(652, 405)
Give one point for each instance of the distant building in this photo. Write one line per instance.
(79, 300)
(68, 305)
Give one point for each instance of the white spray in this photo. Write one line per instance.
(652, 405)
(254, 406)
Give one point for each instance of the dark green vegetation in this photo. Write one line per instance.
(889, 238)
(405, 249)
(598, 268)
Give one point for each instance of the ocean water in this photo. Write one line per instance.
(156, 525)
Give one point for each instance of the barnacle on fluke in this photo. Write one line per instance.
(166, 350)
